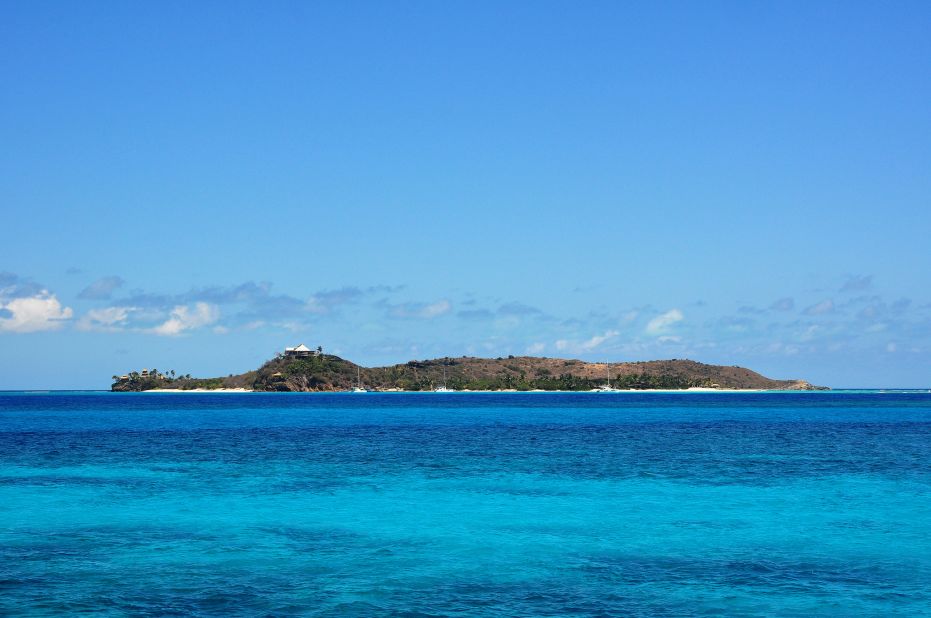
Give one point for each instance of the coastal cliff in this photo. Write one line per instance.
(326, 372)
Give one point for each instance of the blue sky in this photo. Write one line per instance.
(196, 185)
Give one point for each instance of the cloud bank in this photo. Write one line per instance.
(661, 323)
(184, 318)
(27, 307)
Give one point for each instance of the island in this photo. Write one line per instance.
(301, 369)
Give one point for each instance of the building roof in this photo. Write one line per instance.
(301, 348)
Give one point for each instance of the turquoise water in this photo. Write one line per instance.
(792, 504)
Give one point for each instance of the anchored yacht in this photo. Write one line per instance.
(443, 389)
(358, 388)
(606, 387)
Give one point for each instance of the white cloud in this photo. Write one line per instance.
(661, 323)
(579, 347)
(292, 326)
(185, 317)
(809, 333)
(825, 306)
(436, 309)
(107, 319)
(419, 310)
(28, 314)
(535, 348)
(597, 340)
(783, 304)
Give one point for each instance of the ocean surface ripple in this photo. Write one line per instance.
(762, 504)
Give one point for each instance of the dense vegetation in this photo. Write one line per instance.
(155, 380)
(325, 372)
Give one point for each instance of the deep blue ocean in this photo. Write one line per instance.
(775, 504)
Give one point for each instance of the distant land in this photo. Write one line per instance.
(303, 370)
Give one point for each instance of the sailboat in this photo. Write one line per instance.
(443, 389)
(358, 388)
(606, 387)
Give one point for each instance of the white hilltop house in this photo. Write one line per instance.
(301, 351)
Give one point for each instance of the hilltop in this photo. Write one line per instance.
(326, 372)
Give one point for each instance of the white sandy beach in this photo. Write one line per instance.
(200, 390)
